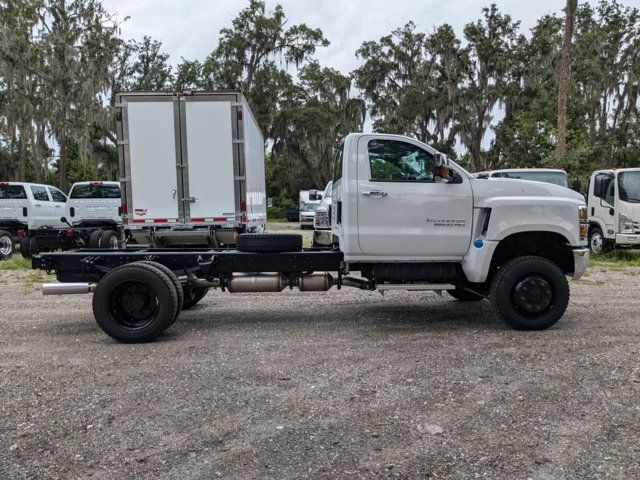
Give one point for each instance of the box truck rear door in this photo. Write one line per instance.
(209, 158)
(152, 144)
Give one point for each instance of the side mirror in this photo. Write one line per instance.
(597, 188)
(314, 195)
(577, 185)
(444, 174)
(441, 159)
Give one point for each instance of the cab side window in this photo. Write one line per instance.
(57, 195)
(396, 161)
(39, 193)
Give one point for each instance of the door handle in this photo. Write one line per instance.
(374, 193)
(38, 205)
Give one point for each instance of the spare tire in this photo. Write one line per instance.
(269, 242)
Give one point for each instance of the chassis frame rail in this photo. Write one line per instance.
(90, 265)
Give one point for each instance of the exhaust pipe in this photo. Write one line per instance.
(67, 288)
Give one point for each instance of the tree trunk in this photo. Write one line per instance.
(564, 77)
(62, 162)
(22, 156)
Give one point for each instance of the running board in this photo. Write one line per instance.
(414, 286)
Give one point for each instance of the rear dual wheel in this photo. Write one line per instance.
(104, 239)
(135, 303)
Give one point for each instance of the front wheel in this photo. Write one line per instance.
(531, 293)
(7, 246)
(597, 242)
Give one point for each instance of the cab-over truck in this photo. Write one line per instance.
(405, 218)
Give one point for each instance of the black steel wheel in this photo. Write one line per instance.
(531, 293)
(7, 246)
(176, 283)
(135, 303)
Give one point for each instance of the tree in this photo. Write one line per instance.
(79, 43)
(315, 115)
(488, 60)
(564, 76)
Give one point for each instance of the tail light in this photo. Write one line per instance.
(123, 209)
(20, 233)
(69, 233)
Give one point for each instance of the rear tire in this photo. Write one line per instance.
(176, 283)
(531, 293)
(94, 238)
(109, 240)
(192, 297)
(25, 249)
(7, 245)
(269, 242)
(465, 295)
(135, 303)
(34, 249)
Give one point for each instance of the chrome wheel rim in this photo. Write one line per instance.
(596, 242)
(6, 245)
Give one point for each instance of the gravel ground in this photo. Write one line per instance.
(344, 384)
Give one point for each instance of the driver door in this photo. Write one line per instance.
(402, 211)
(604, 205)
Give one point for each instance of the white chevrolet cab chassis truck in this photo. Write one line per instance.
(403, 218)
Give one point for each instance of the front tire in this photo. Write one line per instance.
(135, 303)
(7, 246)
(597, 242)
(531, 293)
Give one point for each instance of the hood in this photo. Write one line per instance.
(489, 188)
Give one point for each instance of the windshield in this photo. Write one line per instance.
(557, 178)
(629, 186)
(95, 190)
(12, 192)
(310, 207)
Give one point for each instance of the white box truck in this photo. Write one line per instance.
(614, 209)
(404, 217)
(192, 168)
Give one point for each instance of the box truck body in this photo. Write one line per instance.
(192, 167)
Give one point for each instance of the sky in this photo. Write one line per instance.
(190, 28)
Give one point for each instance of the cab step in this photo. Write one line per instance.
(415, 286)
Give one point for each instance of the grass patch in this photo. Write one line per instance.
(15, 263)
(617, 259)
(271, 219)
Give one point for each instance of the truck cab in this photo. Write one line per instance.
(94, 204)
(614, 209)
(405, 211)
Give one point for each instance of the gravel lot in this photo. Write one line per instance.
(342, 384)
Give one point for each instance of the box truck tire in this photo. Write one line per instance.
(269, 242)
(109, 239)
(94, 238)
(6, 244)
(25, 251)
(597, 242)
(135, 303)
(531, 293)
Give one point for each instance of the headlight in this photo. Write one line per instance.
(321, 219)
(625, 224)
(583, 217)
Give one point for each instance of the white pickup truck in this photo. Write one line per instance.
(405, 217)
(614, 209)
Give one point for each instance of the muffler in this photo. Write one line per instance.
(257, 282)
(67, 288)
(315, 282)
